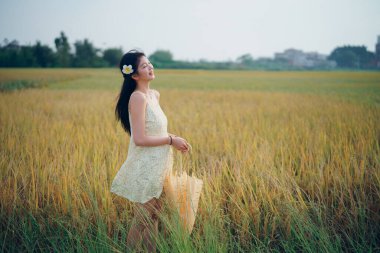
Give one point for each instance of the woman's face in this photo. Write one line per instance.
(145, 70)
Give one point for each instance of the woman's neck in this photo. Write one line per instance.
(143, 87)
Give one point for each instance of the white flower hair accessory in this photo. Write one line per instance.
(127, 69)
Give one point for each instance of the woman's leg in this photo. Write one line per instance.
(134, 235)
(145, 225)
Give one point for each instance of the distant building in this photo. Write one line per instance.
(298, 58)
(377, 52)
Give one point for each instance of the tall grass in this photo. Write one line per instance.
(283, 171)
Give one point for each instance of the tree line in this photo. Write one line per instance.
(354, 57)
(84, 54)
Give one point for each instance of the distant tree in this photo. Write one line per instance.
(112, 56)
(44, 55)
(245, 59)
(161, 58)
(353, 57)
(9, 53)
(63, 50)
(14, 55)
(26, 57)
(86, 55)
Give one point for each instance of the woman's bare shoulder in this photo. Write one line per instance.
(138, 94)
(137, 98)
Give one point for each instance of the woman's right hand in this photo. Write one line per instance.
(180, 144)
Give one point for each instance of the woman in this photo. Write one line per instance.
(150, 157)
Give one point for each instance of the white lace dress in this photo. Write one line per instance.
(142, 175)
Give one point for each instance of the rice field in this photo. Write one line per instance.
(290, 160)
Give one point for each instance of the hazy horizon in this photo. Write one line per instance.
(210, 29)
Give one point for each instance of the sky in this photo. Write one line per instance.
(214, 30)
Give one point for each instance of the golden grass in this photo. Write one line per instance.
(258, 152)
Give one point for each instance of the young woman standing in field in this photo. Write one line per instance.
(150, 157)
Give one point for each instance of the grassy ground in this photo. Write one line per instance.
(290, 160)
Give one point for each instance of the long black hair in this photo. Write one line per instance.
(132, 58)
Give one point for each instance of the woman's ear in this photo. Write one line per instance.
(135, 77)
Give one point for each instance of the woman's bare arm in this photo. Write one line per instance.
(137, 109)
